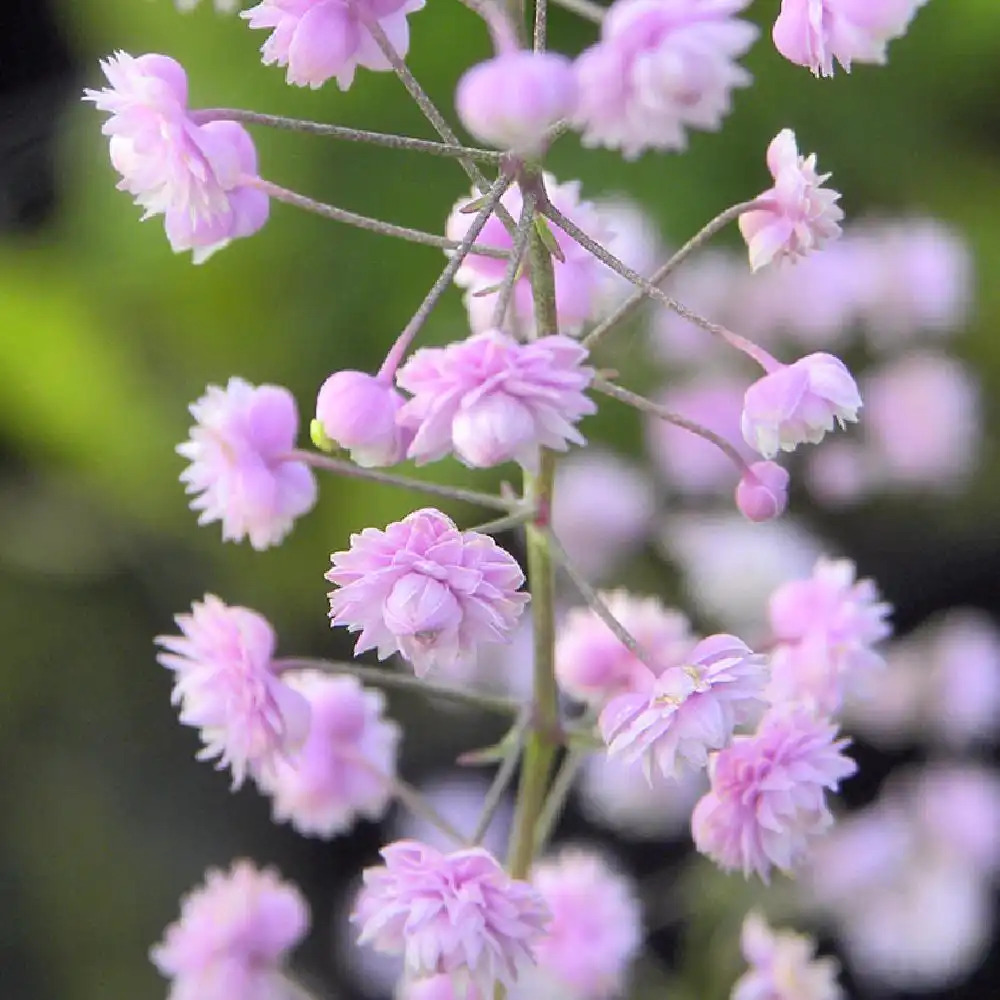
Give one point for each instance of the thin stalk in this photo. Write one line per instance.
(597, 604)
(385, 140)
(541, 17)
(540, 746)
(398, 350)
(504, 523)
(501, 781)
(584, 8)
(394, 680)
(562, 784)
(361, 221)
(506, 289)
(654, 409)
(571, 229)
(629, 306)
(352, 471)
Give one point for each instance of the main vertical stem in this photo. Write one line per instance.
(543, 738)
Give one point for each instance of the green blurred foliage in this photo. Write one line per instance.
(105, 337)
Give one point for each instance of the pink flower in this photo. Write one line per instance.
(801, 214)
(320, 39)
(661, 67)
(513, 99)
(195, 176)
(687, 710)
(458, 913)
(826, 627)
(425, 589)
(591, 663)
(491, 399)
(240, 469)
(783, 966)
(232, 936)
(581, 280)
(799, 403)
(358, 412)
(767, 797)
(815, 32)
(762, 493)
(329, 782)
(227, 687)
(595, 932)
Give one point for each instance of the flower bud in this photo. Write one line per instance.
(358, 412)
(762, 493)
(512, 100)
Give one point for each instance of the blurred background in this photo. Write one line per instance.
(106, 337)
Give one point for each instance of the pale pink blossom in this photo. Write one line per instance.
(798, 403)
(227, 686)
(841, 473)
(592, 665)
(232, 936)
(322, 39)
(240, 468)
(768, 796)
(825, 628)
(492, 399)
(603, 509)
(814, 33)
(581, 280)
(358, 412)
(196, 176)
(434, 988)
(670, 722)
(513, 99)
(801, 214)
(762, 492)
(343, 771)
(425, 589)
(457, 913)
(660, 68)
(595, 931)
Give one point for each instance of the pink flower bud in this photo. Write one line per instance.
(762, 493)
(358, 411)
(512, 100)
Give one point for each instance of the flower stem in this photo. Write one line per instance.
(386, 140)
(510, 277)
(378, 677)
(541, 17)
(502, 779)
(544, 735)
(562, 783)
(398, 350)
(352, 471)
(361, 221)
(629, 306)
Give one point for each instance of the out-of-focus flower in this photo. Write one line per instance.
(195, 176)
(240, 470)
(358, 412)
(456, 913)
(320, 39)
(603, 510)
(227, 687)
(814, 33)
(799, 403)
(426, 589)
(801, 215)
(581, 280)
(595, 931)
(768, 796)
(232, 936)
(660, 68)
(673, 720)
(492, 399)
(513, 99)
(826, 628)
(783, 966)
(334, 778)
(591, 663)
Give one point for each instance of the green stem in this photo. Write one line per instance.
(544, 735)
